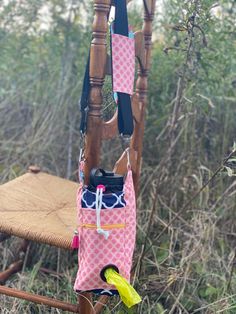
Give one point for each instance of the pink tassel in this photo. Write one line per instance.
(75, 241)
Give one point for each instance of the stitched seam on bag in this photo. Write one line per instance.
(127, 207)
(106, 227)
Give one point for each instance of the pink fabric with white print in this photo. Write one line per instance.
(96, 252)
(123, 64)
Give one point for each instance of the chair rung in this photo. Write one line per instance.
(39, 299)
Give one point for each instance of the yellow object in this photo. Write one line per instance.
(127, 293)
(105, 227)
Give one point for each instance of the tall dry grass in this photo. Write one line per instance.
(184, 260)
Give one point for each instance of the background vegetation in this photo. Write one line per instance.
(184, 263)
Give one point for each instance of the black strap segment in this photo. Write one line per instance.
(125, 116)
(84, 100)
(121, 26)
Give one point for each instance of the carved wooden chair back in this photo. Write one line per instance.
(97, 129)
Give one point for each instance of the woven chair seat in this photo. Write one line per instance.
(39, 207)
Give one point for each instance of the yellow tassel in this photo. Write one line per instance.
(127, 293)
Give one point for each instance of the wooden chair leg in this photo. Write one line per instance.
(12, 269)
(39, 299)
(17, 265)
(85, 303)
(100, 304)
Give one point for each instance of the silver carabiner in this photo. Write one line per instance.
(82, 145)
(125, 141)
(128, 157)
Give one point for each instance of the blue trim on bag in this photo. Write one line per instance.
(109, 293)
(88, 200)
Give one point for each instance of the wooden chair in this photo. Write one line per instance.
(41, 207)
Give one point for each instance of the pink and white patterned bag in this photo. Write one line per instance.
(106, 237)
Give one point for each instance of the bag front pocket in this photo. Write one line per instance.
(114, 216)
(96, 252)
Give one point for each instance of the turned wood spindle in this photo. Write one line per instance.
(142, 89)
(98, 59)
(98, 56)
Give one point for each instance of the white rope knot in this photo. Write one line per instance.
(105, 233)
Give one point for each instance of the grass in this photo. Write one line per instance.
(181, 265)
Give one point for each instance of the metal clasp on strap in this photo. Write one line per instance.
(125, 141)
(81, 158)
(82, 145)
(128, 158)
